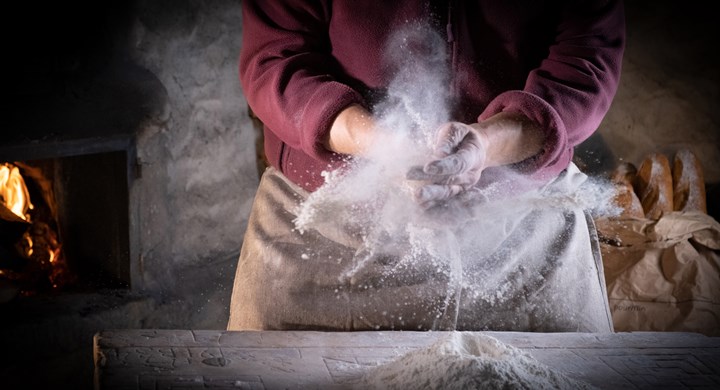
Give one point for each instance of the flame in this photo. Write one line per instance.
(13, 192)
(45, 265)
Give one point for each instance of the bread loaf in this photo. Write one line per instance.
(688, 183)
(654, 186)
(623, 177)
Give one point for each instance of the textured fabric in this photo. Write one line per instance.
(538, 269)
(302, 62)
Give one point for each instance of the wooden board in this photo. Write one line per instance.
(170, 359)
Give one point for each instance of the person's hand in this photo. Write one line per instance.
(463, 151)
(460, 157)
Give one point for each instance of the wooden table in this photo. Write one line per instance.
(202, 359)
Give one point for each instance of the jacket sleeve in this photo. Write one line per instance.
(288, 74)
(571, 91)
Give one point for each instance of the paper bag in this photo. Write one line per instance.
(663, 275)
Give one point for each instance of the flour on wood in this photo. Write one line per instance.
(466, 361)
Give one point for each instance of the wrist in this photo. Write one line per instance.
(509, 138)
(351, 132)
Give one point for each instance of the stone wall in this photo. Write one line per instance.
(198, 158)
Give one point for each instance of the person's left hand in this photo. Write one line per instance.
(460, 157)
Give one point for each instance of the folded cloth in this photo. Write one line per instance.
(528, 268)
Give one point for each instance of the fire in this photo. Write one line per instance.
(39, 246)
(13, 192)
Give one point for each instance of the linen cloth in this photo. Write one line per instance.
(536, 268)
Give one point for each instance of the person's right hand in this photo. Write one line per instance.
(460, 157)
(463, 151)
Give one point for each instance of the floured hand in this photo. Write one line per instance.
(463, 151)
(460, 157)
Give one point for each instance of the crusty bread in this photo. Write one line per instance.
(623, 177)
(654, 186)
(688, 183)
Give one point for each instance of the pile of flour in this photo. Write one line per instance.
(467, 361)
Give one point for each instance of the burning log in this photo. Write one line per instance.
(12, 225)
(30, 249)
(12, 229)
(7, 216)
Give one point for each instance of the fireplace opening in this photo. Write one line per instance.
(31, 255)
(65, 224)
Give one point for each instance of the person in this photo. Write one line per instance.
(527, 82)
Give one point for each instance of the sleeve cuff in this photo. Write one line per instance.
(319, 114)
(556, 153)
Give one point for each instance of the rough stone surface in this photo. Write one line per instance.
(198, 159)
(160, 359)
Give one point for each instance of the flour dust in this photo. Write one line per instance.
(466, 361)
(466, 243)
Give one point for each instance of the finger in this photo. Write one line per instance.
(453, 164)
(449, 137)
(467, 156)
(435, 192)
(417, 173)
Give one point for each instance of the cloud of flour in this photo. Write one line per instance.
(416, 104)
(373, 202)
(373, 195)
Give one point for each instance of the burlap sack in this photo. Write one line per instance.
(663, 275)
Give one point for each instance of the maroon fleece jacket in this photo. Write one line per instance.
(303, 62)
